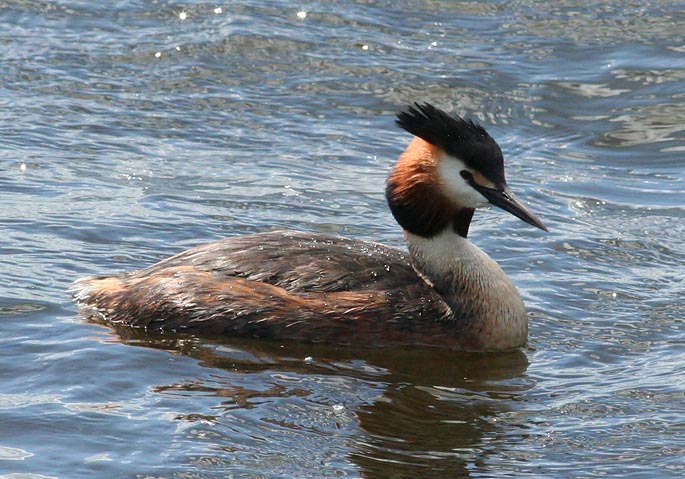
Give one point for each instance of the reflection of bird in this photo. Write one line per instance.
(294, 285)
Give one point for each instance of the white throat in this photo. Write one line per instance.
(444, 254)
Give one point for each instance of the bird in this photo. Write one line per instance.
(442, 291)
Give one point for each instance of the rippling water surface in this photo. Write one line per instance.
(132, 130)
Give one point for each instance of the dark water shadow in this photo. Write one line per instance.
(438, 411)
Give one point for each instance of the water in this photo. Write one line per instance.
(129, 133)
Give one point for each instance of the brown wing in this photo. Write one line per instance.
(182, 298)
(282, 284)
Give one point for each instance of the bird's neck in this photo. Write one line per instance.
(482, 298)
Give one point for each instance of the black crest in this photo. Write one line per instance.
(460, 138)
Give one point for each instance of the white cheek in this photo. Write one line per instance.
(456, 187)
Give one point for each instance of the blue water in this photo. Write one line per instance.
(132, 130)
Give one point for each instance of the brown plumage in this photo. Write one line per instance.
(419, 201)
(280, 284)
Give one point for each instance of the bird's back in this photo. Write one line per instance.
(299, 262)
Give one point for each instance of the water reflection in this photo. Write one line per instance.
(650, 124)
(399, 413)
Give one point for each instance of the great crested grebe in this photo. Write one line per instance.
(445, 292)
